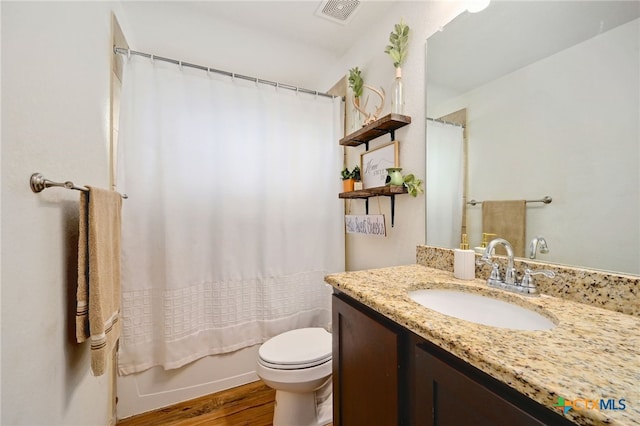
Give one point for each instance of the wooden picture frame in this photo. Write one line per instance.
(374, 164)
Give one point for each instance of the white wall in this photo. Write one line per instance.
(424, 18)
(55, 105)
(558, 155)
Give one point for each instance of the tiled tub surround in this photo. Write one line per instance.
(616, 292)
(592, 353)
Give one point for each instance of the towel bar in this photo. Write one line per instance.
(546, 200)
(39, 183)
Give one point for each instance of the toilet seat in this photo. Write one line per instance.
(296, 349)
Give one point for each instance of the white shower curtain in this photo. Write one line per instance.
(445, 181)
(233, 217)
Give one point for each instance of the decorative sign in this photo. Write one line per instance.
(371, 224)
(374, 164)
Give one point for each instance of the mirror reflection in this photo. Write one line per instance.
(544, 101)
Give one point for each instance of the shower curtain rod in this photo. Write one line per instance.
(129, 52)
(437, 120)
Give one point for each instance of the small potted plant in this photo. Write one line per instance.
(413, 184)
(347, 180)
(351, 179)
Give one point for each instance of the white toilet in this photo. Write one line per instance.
(297, 364)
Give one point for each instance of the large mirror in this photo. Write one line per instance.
(548, 93)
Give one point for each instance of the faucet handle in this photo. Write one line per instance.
(527, 280)
(494, 279)
(484, 260)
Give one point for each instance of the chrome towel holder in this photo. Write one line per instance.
(39, 183)
(546, 200)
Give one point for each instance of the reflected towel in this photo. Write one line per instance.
(98, 292)
(506, 219)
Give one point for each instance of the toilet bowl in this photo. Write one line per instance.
(297, 364)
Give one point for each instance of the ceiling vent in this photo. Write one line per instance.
(340, 11)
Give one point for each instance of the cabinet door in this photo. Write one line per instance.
(447, 397)
(365, 369)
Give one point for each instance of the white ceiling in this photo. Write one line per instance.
(297, 20)
(522, 31)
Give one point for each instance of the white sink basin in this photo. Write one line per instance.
(481, 309)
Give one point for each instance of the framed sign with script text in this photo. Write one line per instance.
(374, 164)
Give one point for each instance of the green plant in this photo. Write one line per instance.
(355, 81)
(413, 185)
(399, 40)
(353, 174)
(345, 174)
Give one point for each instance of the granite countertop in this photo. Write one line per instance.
(591, 354)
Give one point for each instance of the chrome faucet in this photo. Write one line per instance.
(533, 246)
(526, 286)
(510, 272)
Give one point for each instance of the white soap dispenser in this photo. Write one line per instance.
(464, 261)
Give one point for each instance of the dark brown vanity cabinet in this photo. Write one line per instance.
(385, 375)
(446, 396)
(366, 367)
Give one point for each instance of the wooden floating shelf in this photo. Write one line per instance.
(387, 124)
(375, 192)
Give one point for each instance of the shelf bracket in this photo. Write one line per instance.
(393, 136)
(393, 208)
(366, 146)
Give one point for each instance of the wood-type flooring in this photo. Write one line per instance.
(247, 405)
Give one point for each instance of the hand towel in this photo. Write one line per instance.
(506, 219)
(98, 292)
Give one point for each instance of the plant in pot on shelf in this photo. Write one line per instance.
(347, 180)
(397, 50)
(413, 184)
(351, 179)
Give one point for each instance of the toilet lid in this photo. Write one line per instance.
(301, 348)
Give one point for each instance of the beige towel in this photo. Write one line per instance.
(98, 293)
(506, 219)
